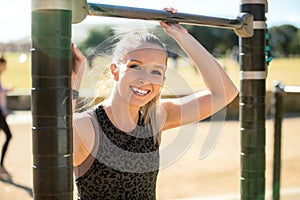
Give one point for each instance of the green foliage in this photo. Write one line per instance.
(295, 46)
(215, 40)
(284, 40)
(95, 37)
(172, 46)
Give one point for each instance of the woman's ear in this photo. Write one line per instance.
(114, 71)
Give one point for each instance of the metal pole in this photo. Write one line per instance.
(252, 103)
(277, 112)
(51, 101)
(242, 25)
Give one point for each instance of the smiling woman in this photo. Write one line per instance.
(116, 142)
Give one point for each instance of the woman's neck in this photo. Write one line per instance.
(123, 115)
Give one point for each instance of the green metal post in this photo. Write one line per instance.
(51, 99)
(277, 112)
(252, 103)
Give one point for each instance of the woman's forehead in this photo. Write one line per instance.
(146, 48)
(146, 55)
(144, 45)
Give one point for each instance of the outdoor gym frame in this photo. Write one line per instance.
(52, 92)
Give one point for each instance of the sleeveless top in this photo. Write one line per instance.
(125, 165)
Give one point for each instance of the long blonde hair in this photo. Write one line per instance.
(140, 40)
(125, 44)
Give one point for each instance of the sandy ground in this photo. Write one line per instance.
(185, 176)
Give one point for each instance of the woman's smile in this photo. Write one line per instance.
(139, 91)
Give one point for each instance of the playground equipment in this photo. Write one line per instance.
(279, 89)
(51, 88)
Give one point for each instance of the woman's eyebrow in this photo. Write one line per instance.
(162, 67)
(134, 60)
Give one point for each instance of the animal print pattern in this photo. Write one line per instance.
(126, 166)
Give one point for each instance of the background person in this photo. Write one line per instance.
(3, 124)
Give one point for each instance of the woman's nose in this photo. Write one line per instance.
(144, 77)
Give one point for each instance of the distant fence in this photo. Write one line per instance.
(20, 99)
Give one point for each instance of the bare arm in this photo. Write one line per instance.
(220, 89)
(83, 130)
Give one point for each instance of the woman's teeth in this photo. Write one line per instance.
(139, 91)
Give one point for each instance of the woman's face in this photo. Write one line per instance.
(141, 75)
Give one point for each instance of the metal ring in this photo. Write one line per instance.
(253, 75)
(259, 25)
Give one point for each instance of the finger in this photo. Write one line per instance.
(78, 57)
(163, 24)
(168, 24)
(170, 9)
(76, 53)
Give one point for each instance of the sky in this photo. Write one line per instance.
(15, 15)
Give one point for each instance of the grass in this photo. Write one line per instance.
(284, 70)
(287, 70)
(17, 74)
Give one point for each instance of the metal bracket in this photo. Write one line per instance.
(247, 28)
(79, 10)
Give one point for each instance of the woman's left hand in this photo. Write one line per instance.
(172, 28)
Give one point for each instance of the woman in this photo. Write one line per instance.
(116, 145)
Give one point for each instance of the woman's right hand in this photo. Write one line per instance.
(77, 67)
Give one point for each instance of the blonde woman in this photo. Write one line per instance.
(116, 145)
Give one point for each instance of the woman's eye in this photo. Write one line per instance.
(135, 67)
(155, 72)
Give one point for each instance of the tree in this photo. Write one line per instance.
(95, 37)
(215, 40)
(295, 46)
(282, 39)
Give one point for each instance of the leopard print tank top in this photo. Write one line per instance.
(126, 164)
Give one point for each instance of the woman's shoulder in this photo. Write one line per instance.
(85, 121)
(84, 115)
